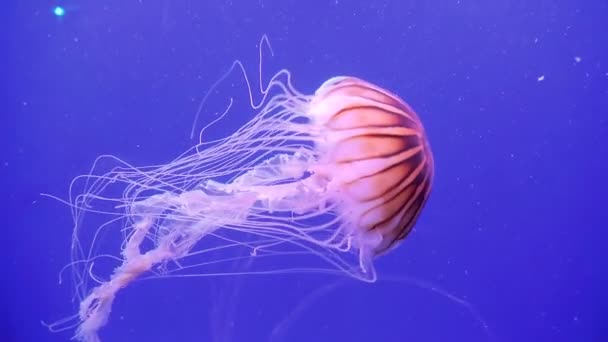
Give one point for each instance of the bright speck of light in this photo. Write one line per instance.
(59, 11)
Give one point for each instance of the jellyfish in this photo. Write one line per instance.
(342, 175)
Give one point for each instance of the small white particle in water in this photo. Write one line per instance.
(540, 78)
(577, 59)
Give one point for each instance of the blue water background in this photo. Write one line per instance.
(514, 96)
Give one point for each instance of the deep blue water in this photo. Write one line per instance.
(513, 94)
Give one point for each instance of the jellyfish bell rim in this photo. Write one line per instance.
(331, 82)
(322, 106)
